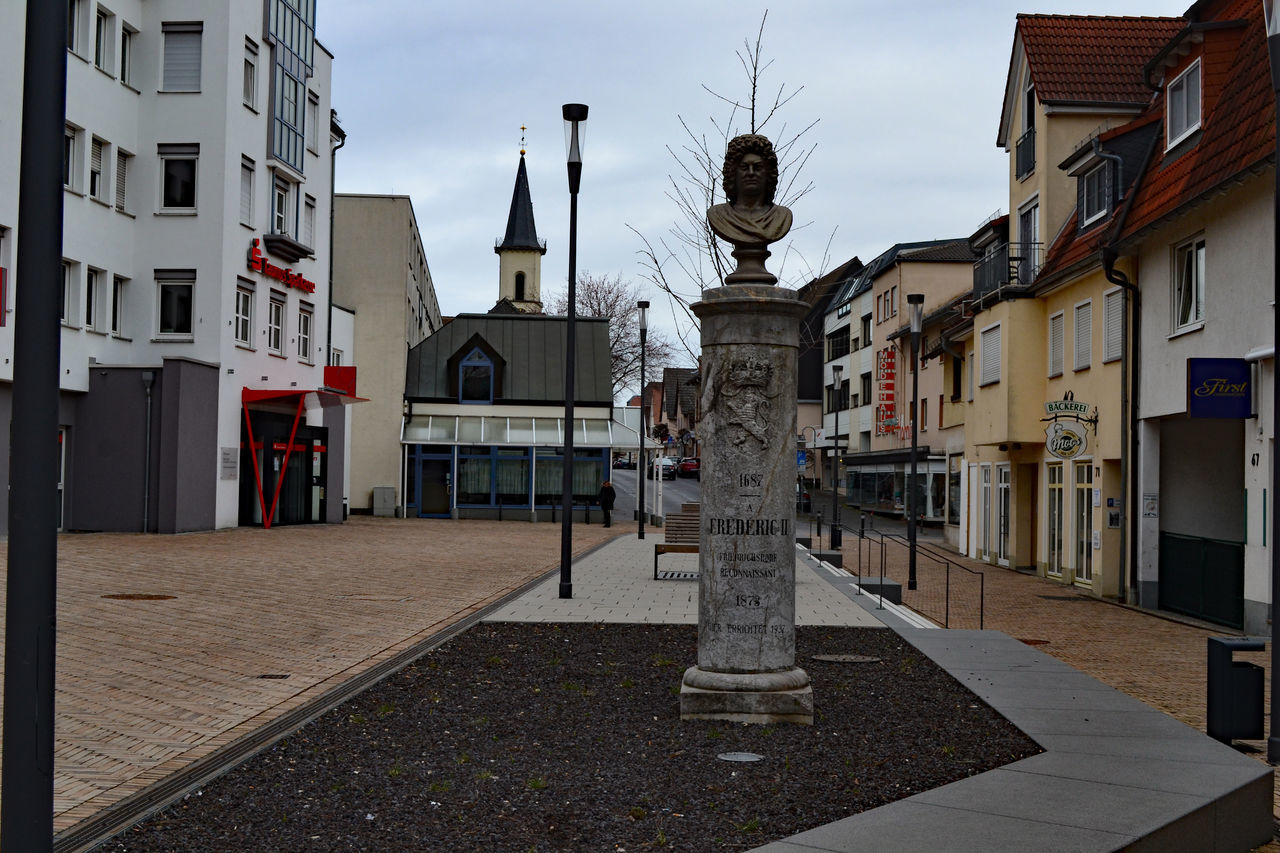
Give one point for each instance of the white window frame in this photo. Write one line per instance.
(182, 58)
(247, 178)
(180, 153)
(123, 161)
(308, 236)
(243, 323)
(1082, 335)
(1057, 338)
(72, 144)
(104, 32)
(126, 54)
(98, 153)
(1095, 178)
(284, 207)
(92, 288)
(1194, 290)
(70, 280)
(75, 26)
(306, 322)
(175, 282)
(1180, 102)
(275, 323)
(1112, 325)
(118, 284)
(335, 357)
(989, 345)
(312, 119)
(250, 82)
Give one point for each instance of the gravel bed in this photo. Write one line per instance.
(550, 737)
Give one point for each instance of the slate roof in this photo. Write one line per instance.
(522, 233)
(532, 347)
(677, 390)
(924, 251)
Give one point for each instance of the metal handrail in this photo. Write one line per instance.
(936, 557)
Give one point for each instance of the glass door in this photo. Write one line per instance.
(1002, 487)
(1084, 522)
(1054, 557)
(984, 534)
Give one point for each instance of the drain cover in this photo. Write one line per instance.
(739, 756)
(138, 596)
(274, 675)
(1035, 642)
(847, 658)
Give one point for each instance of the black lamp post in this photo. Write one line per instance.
(643, 305)
(916, 301)
(574, 115)
(837, 535)
(1273, 50)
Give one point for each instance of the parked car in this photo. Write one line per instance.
(624, 462)
(690, 466)
(803, 503)
(667, 465)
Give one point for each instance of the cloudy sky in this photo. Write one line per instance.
(907, 96)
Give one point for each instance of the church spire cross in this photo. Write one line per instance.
(522, 130)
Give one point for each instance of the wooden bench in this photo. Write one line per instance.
(682, 531)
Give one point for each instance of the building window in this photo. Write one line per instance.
(304, 333)
(335, 357)
(250, 74)
(71, 157)
(244, 316)
(181, 71)
(519, 287)
(990, 355)
(91, 298)
(290, 100)
(175, 298)
(246, 192)
(1054, 561)
(117, 305)
(1094, 194)
(275, 324)
(1084, 522)
(864, 389)
(102, 39)
(1189, 284)
(1183, 105)
(1056, 323)
(75, 9)
(122, 180)
(865, 337)
(126, 54)
(68, 290)
(893, 301)
(309, 221)
(1084, 336)
(838, 344)
(178, 177)
(1112, 325)
(475, 378)
(282, 207)
(96, 147)
(313, 122)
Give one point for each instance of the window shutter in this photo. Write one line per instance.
(1055, 344)
(1112, 325)
(95, 156)
(309, 223)
(1084, 335)
(246, 193)
(991, 355)
(181, 58)
(122, 179)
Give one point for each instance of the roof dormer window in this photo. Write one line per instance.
(1182, 107)
(1095, 195)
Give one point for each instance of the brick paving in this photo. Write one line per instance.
(148, 686)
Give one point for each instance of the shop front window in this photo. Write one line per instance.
(475, 476)
(513, 477)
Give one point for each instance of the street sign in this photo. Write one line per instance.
(801, 459)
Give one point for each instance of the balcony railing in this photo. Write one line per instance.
(1025, 154)
(1009, 264)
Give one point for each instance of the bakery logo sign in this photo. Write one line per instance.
(258, 263)
(1066, 436)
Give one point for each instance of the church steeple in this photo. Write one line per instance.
(520, 251)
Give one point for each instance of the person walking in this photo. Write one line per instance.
(606, 499)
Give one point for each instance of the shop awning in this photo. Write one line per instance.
(323, 397)
(520, 432)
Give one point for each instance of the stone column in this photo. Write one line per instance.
(746, 668)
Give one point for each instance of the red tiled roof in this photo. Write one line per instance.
(1237, 121)
(1092, 59)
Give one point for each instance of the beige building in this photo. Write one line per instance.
(381, 273)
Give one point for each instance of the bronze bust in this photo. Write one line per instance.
(750, 220)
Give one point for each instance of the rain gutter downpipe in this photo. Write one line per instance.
(1128, 418)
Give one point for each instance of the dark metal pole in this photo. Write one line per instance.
(573, 113)
(1273, 740)
(837, 533)
(912, 497)
(26, 783)
(644, 430)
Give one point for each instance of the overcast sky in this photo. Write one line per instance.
(432, 96)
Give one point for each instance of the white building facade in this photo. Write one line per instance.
(198, 161)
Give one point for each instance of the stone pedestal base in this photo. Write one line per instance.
(767, 697)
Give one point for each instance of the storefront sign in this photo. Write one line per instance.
(1066, 407)
(1065, 440)
(1219, 388)
(258, 263)
(886, 399)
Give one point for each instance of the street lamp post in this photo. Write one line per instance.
(916, 301)
(643, 305)
(574, 115)
(1273, 51)
(837, 535)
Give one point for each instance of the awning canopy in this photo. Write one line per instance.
(324, 397)
(520, 432)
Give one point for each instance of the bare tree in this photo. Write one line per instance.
(689, 258)
(616, 298)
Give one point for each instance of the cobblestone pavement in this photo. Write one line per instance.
(170, 647)
(1156, 659)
